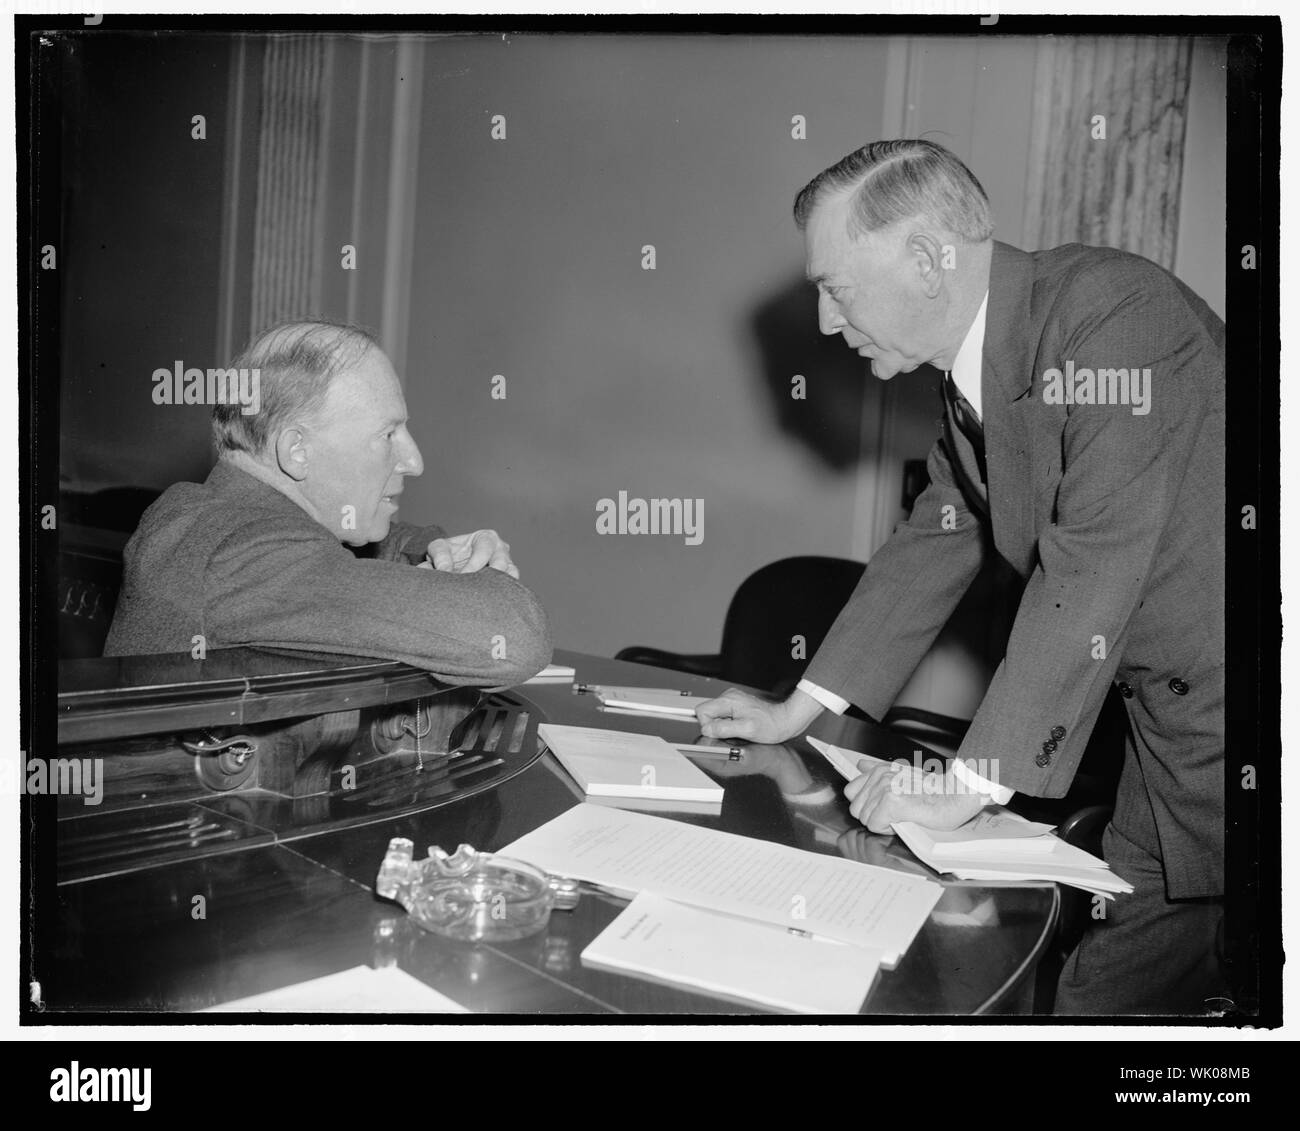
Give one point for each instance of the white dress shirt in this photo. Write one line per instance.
(968, 365)
(967, 371)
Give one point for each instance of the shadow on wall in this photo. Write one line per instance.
(953, 677)
(790, 344)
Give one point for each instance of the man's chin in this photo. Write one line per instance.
(377, 531)
(889, 372)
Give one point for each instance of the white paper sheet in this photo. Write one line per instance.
(845, 761)
(827, 896)
(358, 990)
(554, 673)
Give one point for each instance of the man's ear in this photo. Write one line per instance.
(291, 453)
(929, 256)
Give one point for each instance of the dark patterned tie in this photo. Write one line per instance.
(964, 417)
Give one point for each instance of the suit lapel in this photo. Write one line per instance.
(1007, 385)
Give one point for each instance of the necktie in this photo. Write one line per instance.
(966, 420)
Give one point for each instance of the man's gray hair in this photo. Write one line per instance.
(296, 362)
(901, 180)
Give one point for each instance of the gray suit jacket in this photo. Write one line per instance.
(1116, 521)
(237, 562)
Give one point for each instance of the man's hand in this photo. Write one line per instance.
(895, 792)
(737, 714)
(469, 553)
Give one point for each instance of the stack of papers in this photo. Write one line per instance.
(992, 833)
(555, 673)
(613, 763)
(829, 897)
(736, 960)
(973, 852)
(995, 844)
(649, 701)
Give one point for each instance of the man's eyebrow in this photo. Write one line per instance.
(817, 280)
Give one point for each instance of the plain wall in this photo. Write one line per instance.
(528, 264)
(1202, 206)
(139, 252)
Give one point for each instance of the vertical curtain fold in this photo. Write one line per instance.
(286, 248)
(1121, 191)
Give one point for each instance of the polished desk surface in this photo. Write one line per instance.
(284, 912)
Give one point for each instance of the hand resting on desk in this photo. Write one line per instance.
(737, 714)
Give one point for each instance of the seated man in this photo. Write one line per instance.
(256, 554)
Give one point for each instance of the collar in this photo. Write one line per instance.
(968, 364)
(228, 479)
(1008, 348)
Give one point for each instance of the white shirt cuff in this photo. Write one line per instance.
(974, 782)
(827, 699)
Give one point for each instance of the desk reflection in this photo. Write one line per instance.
(291, 900)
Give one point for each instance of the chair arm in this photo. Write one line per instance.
(941, 733)
(1084, 827)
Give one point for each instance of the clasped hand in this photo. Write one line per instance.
(469, 553)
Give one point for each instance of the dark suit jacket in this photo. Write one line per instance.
(1115, 520)
(234, 560)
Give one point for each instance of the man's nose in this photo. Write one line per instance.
(411, 462)
(828, 315)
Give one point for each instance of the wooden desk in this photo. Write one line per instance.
(282, 906)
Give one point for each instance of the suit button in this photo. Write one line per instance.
(1177, 686)
(1042, 759)
(1049, 747)
(1126, 691)
(1058, 733)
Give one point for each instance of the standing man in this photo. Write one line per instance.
(1083, 440)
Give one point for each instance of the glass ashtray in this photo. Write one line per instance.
(472, 896)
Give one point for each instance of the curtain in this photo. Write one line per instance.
(1122, 191)
(286, 266)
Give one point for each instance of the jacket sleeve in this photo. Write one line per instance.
(297, 588)
(407, 542)
(1121, 473)
(909, 590)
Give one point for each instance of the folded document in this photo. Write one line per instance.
(614, 763)
(735, 959)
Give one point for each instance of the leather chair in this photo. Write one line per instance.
(93, 529)
(794, 597)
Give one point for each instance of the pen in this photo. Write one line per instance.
(731, 753)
